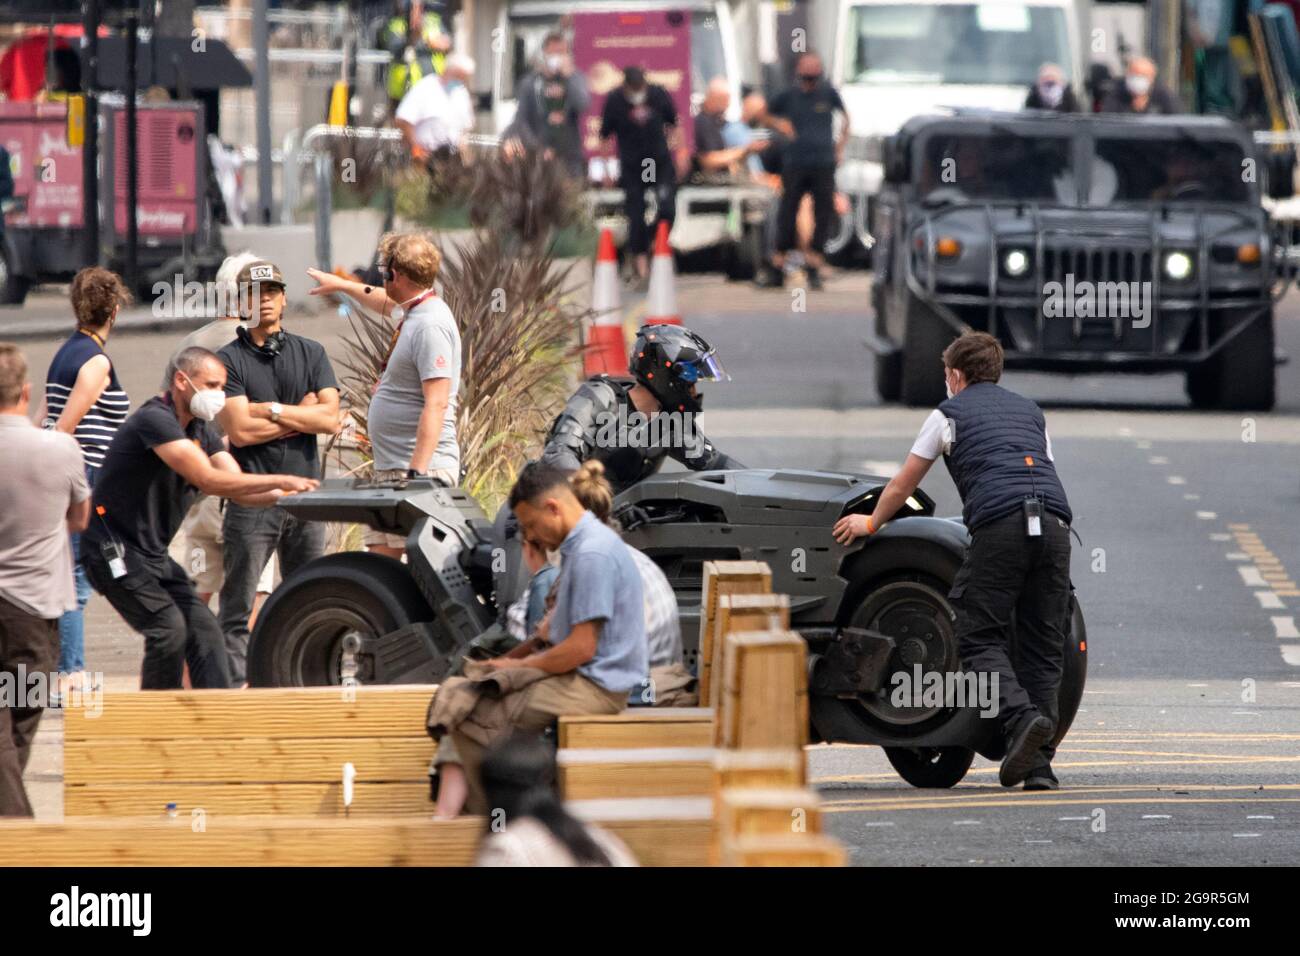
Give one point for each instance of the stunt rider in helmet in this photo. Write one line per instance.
(601, 419)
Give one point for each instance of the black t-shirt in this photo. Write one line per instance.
(640, 129)
(144, 501)
(812, 115)
(300, 367)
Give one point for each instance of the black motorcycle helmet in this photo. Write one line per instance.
(669, 360)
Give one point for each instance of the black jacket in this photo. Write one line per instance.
(597, 422)
(1159, 100)
(529, 125)
(1069, 102)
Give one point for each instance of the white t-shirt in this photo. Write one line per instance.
(937, 436)
(439, 117)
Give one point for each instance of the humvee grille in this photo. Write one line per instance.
(1094, 264)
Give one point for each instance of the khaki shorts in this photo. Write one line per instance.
(197, 549)
(382, 539)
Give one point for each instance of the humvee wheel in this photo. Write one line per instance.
(1240, 377)
(13, 287)
(301, 632)
(931, 767)
(924, 339)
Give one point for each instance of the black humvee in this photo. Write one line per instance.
(1084, 243)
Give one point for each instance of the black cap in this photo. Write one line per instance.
(634, 77)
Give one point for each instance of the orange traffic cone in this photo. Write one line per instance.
(605, 351)
(661, 303)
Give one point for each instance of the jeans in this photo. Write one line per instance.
(1007, 572)
(72, 625)
(249, 536)
(157, 598)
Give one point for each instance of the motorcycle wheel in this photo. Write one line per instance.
(298, 640)
(931, 767)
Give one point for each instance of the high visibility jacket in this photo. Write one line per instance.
(402, 75)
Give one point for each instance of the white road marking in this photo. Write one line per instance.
(1206, 515)
(1285, 626)
(1237, 556)
(1291, 654)
(1191, 497)
(1246, 836)
(1157, 460)
(1267, 599)
(1156, 816)
(1143, 445)
(1073, 819)
(880, 823)
(1251, 577)
(1176, 479)
(1220, 536)
(1245, 713)
(1260, 816)
(965, 823)
(1038, 841)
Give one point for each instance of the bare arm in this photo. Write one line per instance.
(900, 488)
(78, 515)
(90, 384)
(188, 460)
(437, 393)
(722, 158)
(243, 429)
(224, 461)
(375, 300)
(320, 416)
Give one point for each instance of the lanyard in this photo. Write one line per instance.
(397, 332)
(93, 335)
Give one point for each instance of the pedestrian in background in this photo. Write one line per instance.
(165, 454)
(84, 399)
(411, 422)
(198, 545)
(997, 449)
(715, 160)
(551, 99)
(1051, 91)
(44, 495)
(805, 115)
(1140, 92)
(640, 115)
(280, 395)
(437, 113)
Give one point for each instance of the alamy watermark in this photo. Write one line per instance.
(624, 429)
(1085, 299)
(932, 689)
(21, 688)
(182, 299)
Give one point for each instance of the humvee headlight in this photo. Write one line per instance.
(1178, 266)
(1015, 263)
(946, 247)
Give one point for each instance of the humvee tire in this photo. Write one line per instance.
(1240, 377)
(931, 768)
(13, 288)
(924, 339)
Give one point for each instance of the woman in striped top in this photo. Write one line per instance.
(84, 399)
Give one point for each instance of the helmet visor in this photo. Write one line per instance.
(705, 369)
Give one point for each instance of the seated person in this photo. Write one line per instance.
(594, 653)
(525, 615)
(519, 783)
(716, 160)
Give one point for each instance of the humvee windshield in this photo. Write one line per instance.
(992, 165)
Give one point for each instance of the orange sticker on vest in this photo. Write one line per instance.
(1029, 461)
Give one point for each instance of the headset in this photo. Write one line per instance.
(272, 346)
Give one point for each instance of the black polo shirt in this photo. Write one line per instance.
(812, 115)
(640, 130)
(143, 500)
(300, 367)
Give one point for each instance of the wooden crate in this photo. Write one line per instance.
(635, 772)
(724, 577)
(261, 751)
(660, 831)
(807, 849)
(742, 612)
(776, 812)
(764, 701)
(763, 769)
(639, 727)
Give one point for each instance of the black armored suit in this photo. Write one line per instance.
(600, 421)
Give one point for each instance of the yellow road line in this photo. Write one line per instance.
(1038, 801)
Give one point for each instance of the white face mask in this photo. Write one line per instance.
(1051, 93)
(948, 388)
(1137, 85)
(206, 403)
(554, 62)
(636, 99)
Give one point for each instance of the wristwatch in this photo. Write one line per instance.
(276, 410)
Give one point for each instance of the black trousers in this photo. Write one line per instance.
(639, 232)
(157, 598)
(1007, 572)
(32, 643)
(797, 182)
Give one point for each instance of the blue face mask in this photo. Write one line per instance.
(453, 84)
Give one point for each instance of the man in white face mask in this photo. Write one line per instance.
(1140, 93)
(165, 454)
(551, 100)
(1052, 91)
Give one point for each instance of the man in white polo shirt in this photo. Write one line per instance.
(438, 111)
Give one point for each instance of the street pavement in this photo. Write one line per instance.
(1187, 745)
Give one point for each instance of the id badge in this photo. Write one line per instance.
(1033, 517)
(115, 556)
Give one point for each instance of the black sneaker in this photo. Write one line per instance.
(770, 278)
(814, 280)
(1042, 778)
(1023, 742)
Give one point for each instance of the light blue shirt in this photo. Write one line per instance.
(599, 581)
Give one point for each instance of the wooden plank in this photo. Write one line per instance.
(639, 727)
(764, 701)
(247, 760)
(241, 841)
(747, 811)
(660, 831)
(366, 711)
(733, 769)
(249, 799)
(737, 613)
(632, 772)
(808, 849)
(721, 578)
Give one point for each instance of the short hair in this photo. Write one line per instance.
(555, 36)
(977, 355)
(413, 254)
(13, 374)
(96, 295)
(536, 479)
(461, 63)
(190, 360)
